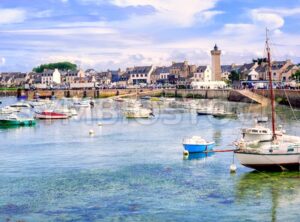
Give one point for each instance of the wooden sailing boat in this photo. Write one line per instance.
(280, 153)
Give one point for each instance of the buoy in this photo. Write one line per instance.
(91, 132)
(185, 153)
(233, 168)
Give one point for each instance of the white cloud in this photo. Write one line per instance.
(267, 19)
(174, 12)
(2, 61)
(9, 16)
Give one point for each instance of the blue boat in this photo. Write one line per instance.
(197, 144)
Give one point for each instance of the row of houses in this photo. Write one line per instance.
(178, 73)
(282, 71)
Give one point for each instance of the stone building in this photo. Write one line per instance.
(216, 64)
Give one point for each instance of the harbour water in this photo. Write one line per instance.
(134, 170)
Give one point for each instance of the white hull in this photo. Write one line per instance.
(273, 162)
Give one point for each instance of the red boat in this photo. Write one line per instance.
(50, 115)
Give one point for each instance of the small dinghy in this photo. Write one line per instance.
(197, 144)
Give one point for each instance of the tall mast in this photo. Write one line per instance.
(271, 85)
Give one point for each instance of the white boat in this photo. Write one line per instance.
(137, 112)
(262, 119)
(206, 111)
(9, 110)
(224, 114)
(83, 104)
(280, 153)
(259, 133)
(39, 102)
(21, 105)
(69, 112)
(277, 155)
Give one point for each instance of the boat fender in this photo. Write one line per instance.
(185, 153)
(233, 168)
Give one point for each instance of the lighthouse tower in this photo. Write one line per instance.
(216, 64)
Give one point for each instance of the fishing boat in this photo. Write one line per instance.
(280, 153)
(14, 120)
(197, 144)
(49, 114)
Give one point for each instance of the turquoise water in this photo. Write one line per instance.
(134, 170)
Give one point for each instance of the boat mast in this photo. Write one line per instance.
(271, 85)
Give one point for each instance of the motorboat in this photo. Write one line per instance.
(50, 114)
(70, 112)
(9, 110)
(224, 114)
(197, 144)
(39, 102)
(21, 105)
(14, 120)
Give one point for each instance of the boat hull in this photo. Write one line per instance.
(17, 122)
(270, 162)
(198, 148)
(51, 116)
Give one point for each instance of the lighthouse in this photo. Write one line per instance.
(216, 64)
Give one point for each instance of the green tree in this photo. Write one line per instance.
(260, 60)
(234, 76)
(59, 65)
(296, 75)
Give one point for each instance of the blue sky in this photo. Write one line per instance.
(106, 34)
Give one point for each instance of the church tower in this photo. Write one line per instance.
(216, 64)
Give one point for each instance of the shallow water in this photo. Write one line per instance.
(134, 170)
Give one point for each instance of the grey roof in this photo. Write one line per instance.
(201, 69)
(278, 64)
(226, 68)
(246, 67)
(261, 68)
(162, 69)
(178, 65)
(140, 69)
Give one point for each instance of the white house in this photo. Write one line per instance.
(140, 74)
(253, 75)
(203, 74)
(49, 77)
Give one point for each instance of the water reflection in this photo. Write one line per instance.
(198, 156)
(276, 188)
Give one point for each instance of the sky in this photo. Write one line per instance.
(111, 34)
